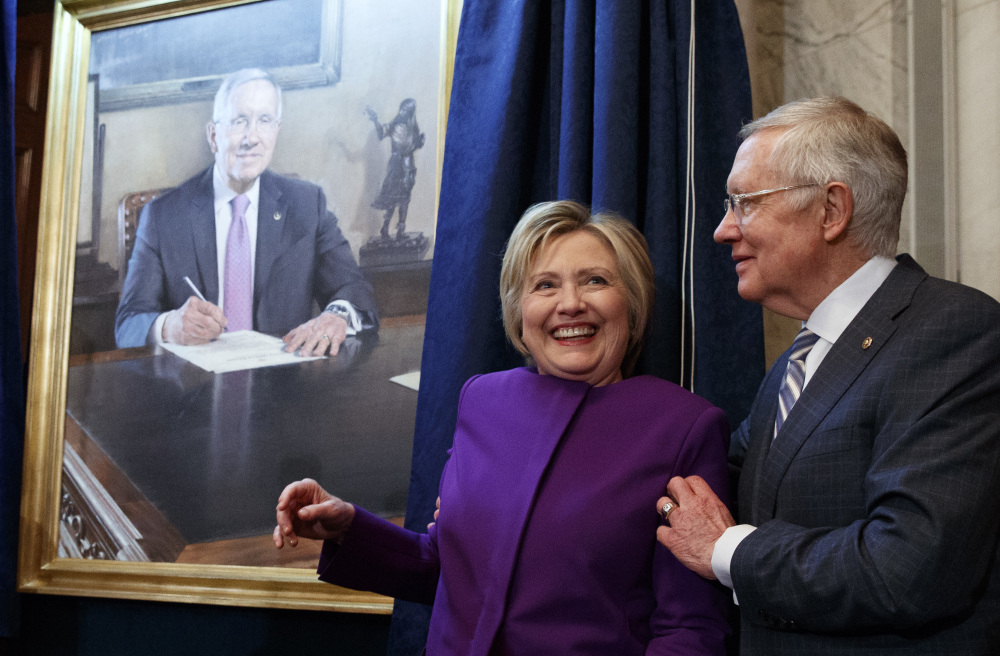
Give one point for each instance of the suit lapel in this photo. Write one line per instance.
(271, 222)
(546, 406)
(761, 429)
(202, 219)
(840, 368)
(541, 432)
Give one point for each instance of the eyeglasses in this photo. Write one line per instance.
(240, 125)
(735, 201)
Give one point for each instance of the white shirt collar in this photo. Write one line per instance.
(224, 195)
(838, 309)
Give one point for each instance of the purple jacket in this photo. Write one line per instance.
(546, 539)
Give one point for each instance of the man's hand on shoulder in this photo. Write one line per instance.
(698, 521)
(195, 322)
(314, 337)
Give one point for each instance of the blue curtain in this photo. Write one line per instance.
(11, 381)
(585, 100)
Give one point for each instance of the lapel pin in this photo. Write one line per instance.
(277, 216)
(866, 343)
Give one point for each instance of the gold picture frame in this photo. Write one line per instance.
(40, 569)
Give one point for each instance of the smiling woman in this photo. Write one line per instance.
(574, 311)
(560, 253)
(548, 495)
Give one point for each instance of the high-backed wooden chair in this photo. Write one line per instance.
(129, 209)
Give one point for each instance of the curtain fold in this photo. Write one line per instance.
(11, 380)
(584, 100)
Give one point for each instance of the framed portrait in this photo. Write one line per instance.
(146, 474)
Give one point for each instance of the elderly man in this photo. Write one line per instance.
(869, 493)
(262, 246)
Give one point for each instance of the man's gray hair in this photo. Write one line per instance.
(237, 79)
(831, 139)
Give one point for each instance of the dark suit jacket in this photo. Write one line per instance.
(877, 505)
(302, 258)
(546, 540)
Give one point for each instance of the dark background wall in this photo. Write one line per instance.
(60, 626)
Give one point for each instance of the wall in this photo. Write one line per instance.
(976, 25)
(57, 626)
(928, 69)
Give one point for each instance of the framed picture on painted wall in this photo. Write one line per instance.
(148, 474)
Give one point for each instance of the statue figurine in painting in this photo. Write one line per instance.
(401, 173)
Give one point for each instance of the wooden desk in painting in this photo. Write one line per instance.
(166, 462)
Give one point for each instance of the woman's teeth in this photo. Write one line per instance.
(575, 331)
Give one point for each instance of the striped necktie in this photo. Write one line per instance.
(795, 375)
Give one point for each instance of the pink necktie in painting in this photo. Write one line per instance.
(239, 291)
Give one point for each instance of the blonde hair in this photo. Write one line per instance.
(545, 221)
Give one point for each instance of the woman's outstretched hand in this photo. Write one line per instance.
(306, 510)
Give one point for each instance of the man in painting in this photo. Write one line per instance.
(262, 246)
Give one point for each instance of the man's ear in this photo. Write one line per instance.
(838, 207)
(210, 135)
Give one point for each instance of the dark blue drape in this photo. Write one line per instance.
(11, 381)
(583, 100)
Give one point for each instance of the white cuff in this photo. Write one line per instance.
(158, 329)
(725, 547)
(353, 320)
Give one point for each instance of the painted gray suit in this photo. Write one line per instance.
(302, 258)
(877, 505)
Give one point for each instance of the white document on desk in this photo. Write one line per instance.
(411, 380)
(243, 349)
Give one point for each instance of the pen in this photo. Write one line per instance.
(194, 289)
(198, 292)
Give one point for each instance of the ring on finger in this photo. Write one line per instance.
(325, 336)
(667, 508)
